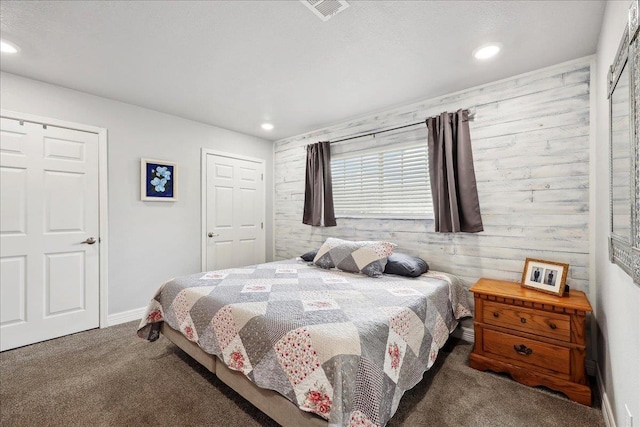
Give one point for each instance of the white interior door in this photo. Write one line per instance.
(49, 269)
(234, 233)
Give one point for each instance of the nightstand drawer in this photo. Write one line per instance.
(527, 353)
(546, 324)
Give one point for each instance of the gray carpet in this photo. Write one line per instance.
(110, 377)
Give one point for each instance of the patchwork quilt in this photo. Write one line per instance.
(341, 345)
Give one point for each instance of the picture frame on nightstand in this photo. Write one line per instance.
(545, 276)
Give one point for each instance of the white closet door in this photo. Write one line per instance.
(235, 235)
(49, 271)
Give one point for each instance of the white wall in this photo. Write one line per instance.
(530, 140)
(149, 242)
(617, 298)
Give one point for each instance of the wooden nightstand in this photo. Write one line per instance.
(539, 339)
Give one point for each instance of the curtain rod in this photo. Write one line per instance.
(388, 130)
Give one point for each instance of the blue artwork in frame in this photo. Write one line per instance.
(158, 180)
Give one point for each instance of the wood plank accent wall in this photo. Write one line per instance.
(530, 141)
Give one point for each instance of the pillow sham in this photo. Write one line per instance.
(405, 265)
(368, 257)
(309, 256)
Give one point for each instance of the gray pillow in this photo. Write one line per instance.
(368, 257)
(309, 256)
(405, 265)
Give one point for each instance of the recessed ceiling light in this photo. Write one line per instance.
(8, 47)
(267, 126)
(487, 51)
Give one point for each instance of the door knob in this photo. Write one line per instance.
(213, 234)
(89, 241)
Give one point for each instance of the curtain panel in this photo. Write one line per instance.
(318, 191)
(453, 179)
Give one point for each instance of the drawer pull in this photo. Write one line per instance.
(552, 325)
(522, 349)
(523, 320)
(495, 314)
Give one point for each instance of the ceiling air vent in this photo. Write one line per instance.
(325, 9)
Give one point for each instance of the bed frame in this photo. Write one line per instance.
(270, 402)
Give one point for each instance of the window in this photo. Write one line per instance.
(387, 183)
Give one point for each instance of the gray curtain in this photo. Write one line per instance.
(453, 179)
(318, 192)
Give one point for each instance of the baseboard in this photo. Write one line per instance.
(607, 413)
(125, 316)
(464, 333)
(467, 334)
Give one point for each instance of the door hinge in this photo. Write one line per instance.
(261, 225)
(261, 177)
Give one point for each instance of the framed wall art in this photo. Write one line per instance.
(158, 181)
(545, 276)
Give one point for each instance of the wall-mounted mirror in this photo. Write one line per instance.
(624, 154)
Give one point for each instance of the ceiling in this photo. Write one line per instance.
(236, 64)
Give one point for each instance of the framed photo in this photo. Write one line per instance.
(158, 181)
(545, 276)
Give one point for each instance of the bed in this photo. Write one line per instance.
(306, 345)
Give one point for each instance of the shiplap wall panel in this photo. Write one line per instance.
(530, 139)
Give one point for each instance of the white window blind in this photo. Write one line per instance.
(385, 183)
